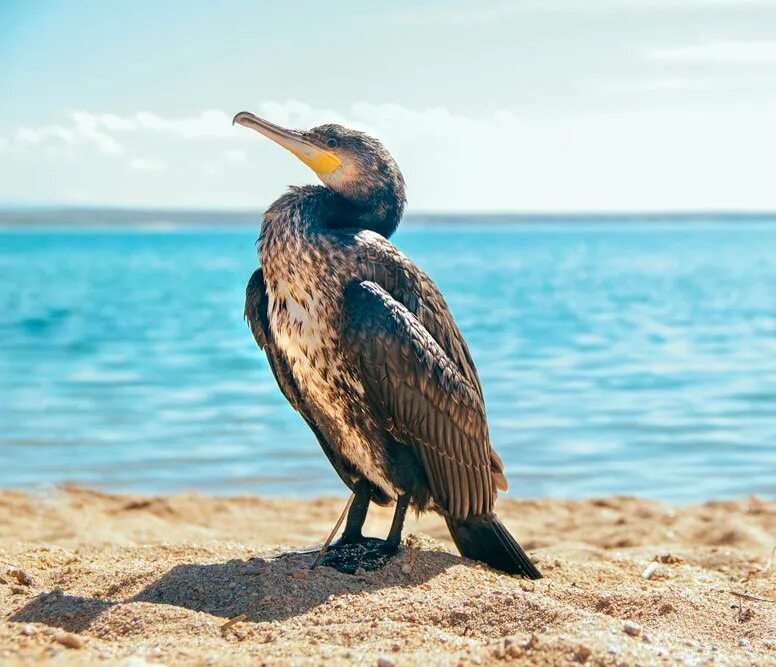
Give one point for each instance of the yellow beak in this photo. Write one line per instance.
(322, 162)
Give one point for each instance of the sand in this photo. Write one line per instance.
(88, 577)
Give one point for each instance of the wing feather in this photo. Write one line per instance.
(429, 403)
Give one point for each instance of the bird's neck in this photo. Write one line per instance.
(381, 212)
(315, 208)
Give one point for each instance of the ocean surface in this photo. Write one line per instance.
(616, 358)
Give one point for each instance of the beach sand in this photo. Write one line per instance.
(91, 577)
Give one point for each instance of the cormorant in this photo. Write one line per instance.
(363, 346)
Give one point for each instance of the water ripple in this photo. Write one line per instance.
(632, 358)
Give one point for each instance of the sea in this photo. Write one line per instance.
(629, 355)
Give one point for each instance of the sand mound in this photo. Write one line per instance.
(92, 577)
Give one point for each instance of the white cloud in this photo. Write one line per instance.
(29, 135)
(736, 3)
(87, 128)
(491, 11)
(147, 164)
(236, 155)
(653, 85)
(81, 131)
(101, 130)
(750, 80)
(206, 124)
(720, 52)
(639, 159)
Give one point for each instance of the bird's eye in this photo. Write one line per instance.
(332, 143)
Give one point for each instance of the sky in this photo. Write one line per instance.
(494, 105)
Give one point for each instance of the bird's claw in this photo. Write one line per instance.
(369, 553)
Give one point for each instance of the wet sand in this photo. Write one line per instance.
(88, 577)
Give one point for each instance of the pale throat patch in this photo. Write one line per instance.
(339, 179)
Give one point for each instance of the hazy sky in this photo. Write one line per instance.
(521, 105)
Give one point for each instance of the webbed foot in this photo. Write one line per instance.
(369, 553)
(349, 541)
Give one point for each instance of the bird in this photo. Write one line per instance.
(363, 346)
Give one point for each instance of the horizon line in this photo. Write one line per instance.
(35, 209)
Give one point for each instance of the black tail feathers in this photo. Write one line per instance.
(485, 538)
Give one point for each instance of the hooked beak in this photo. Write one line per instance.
(321, 161)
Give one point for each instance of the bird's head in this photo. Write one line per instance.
(354, 165)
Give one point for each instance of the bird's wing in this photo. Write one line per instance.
(256, 304)
(423, 397)
(385, 265)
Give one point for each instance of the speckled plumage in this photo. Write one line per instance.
(364, 347)
(307, 269)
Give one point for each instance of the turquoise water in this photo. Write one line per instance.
(631, 359)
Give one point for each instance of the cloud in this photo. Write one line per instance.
(81, 130)
(89, 129)
(639, 159)
(653, 85)
(39, 135)
(720, 52)
(491, 11)
(206, 124)
(113, 135)
(737, 81)
(236, 155)
(101, 130)
(147, 164)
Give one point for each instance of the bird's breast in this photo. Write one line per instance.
(305, 320)
(305, 327)
(302, 326)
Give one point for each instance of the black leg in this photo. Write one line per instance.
(394, 536)
(353, 551)
(357, 514)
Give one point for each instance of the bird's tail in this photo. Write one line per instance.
(485, 538)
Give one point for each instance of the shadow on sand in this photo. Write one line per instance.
(264, 589)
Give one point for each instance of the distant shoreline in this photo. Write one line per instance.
(172, 218)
